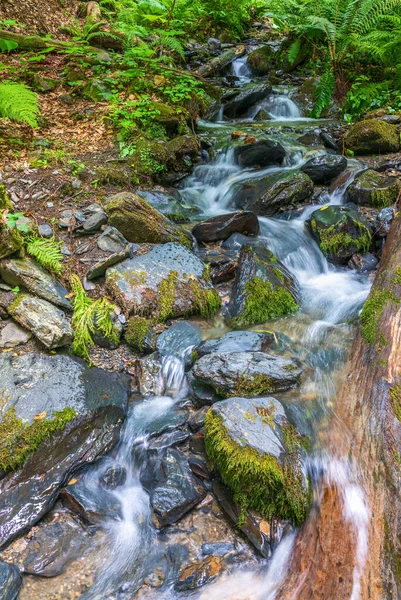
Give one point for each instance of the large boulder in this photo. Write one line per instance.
(340, 232)
(26, 273)
(222, 226)
(260, 60)
(139, 222)
(221, 375)
(10, 240)
(263, 289)
(372, 137)
(169, 281)
(242, 102)
(268, 195)
(10, 581)
(58, 415)
(259, 154)
(373, 188)
(325, 167)
(47, 323)
(258, 455)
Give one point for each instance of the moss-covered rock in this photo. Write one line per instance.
(10, 240)
(166, 116)
(263, 289)
(140, 334)
(340, 232)
(183, 150)
(375, 189)
(96, 91)
(372, 137)
(260, 60)
(43, 84)
(5, 202)
(151, 158)
(139, 222)
(257, 453)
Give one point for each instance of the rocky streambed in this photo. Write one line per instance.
(187, 455)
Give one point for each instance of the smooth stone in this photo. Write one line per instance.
(325, 167)
(113, 477)
(45, 230)
(171, 207)
(198, 466)
(178, 493)
(94, 222)
(26, 273)
(10, 581)
(217, 548)
(328, 141)
(238, 341)
(260, 154)
(222, 226)
(363, 262)
(46, 322)
(179, 340)
(111, 240)
(100, 267)
(93, 505)
(241, 103)
(13, 335)
(198, 574)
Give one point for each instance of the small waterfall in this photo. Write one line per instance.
(240, 69)
(279, 107)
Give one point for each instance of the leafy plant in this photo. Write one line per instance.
(47, 252)
(11, 219)
(19, 103)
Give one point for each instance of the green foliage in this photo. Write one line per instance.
(47, 252)
(324, 93)
(12, 221)
(372, 312)
(18, 439)
(137, 331)
(89, 316)
(19, 103)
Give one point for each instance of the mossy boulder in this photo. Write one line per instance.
(258, 455)
(260, 60)
(10, 240)
(5, 202)
(43, 84)
(96, 91)
(263, 289)
(374, 189)
(218, 64)
(372, 137)
(166, 116)
(139, 222)
(168, 281)
(183, 150)
(140, 334)
(217, 376)
(340, 232)
(269, 195)
(150, 158)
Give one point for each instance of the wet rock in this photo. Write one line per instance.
(198, 574)
(213, 44)
(10, 581)
(372, 137)
(328, 141)
(171, 207)
(340, 232)
(197, 443)
(141, 335)
(363, 262)
(167, 440)
(217, 548)
(260, 60)
(94, 504)
(198, 466)
(248, 436)
(113, 477)
(26, 273)
(263, 289)
(197, 421)
(179, 492)
(374, 189)
(111, 240)
(245, 374)
(310, 139)
(269, 195)
(46, 322)
(179, 340)
(148, 375)
(13, 335)
(45, 230)
(139, 222)
(218, 64)
(167, 282)
(51, 548)
(259, 154)
(325, 167)
(238, 341)
(222, 226)
(235, 242)
(100, 267)
(27, 494)
(10, 240)
(241, 103)
(222, 270)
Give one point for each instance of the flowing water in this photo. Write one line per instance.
(319, 335)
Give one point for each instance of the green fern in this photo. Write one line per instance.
(324, 93)
(19, 103)
(89, 316)
(46, 252)
(294, 51)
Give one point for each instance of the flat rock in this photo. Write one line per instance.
(111, 240)
(26, 273)
(198, 574)
(179, 340)
(94, 222)
(325, 167)
(262, 153)
(100, 267)
(238, 341)
(10, 581)
(46, 322)
(222, 226)
(13, 335)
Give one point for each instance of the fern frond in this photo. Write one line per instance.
(173, 43)
(19, 103)
(324, 93)
(293, 51)
(47, 252)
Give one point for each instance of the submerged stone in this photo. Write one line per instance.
(10, 581)
(374, 189)
(258, 455)
(179, 340)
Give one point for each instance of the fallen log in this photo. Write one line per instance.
(330, 559)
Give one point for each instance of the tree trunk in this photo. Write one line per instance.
(367, 431)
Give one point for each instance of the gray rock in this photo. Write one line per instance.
(240, 104)
(94, 504)
(100, 267)
(113, 477)
(111, 240)
(167, 440)
(179, 340)
(242, 373)
(197, 420)
(238, 341)
(213, 44)
(45, 230)
(6, 299)
(94, 222)
(171, 207)
(178, 493)
(140, 284)
(148, 375)
(217, 548)
(222, 226)
(46, 322)
(363, 262)
(27, 274)
(13, 335)
(10, 581)
(325, 167)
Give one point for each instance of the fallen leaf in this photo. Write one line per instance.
(40, 416)
(72, 481)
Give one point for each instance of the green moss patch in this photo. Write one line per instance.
(395, 395)
(257, 481)
(331, 240)
(136, 333)
(253, 385)
(19, 439)
(372, 312)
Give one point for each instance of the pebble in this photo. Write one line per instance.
(45, 230)
(88, 285)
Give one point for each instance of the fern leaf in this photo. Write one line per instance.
(47, 252)
(294, 51)
(19, 103)
(324, 93)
